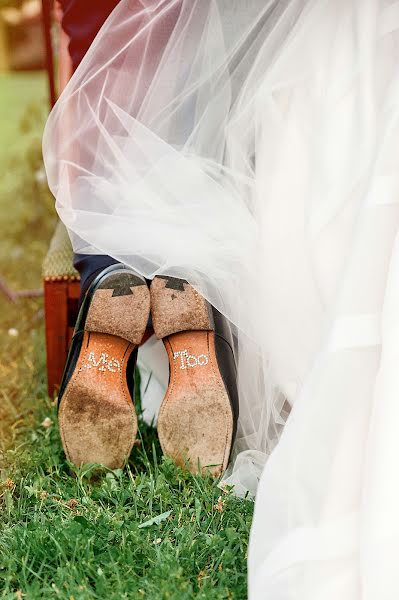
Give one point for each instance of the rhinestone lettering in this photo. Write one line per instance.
(189, 360)
(104, 363)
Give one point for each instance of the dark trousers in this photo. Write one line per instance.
(81, 21)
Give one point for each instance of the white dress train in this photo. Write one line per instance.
(251, 148)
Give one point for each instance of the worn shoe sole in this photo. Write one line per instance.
(97, 419)
(195, 423)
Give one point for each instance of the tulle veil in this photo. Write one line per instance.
(250, 148)
(150, 153)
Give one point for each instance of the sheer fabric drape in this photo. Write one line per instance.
(251, 148)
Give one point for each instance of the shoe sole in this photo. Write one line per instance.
(195, 422)
(97, 418)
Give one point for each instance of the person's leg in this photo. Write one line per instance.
(81, 22)
(198, 417)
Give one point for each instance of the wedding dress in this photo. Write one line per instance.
(251, 148)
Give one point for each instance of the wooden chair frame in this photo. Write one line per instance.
(61, 290)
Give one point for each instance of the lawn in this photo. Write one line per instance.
(149, 531)
(17, 91)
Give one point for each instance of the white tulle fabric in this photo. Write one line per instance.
(251, 148)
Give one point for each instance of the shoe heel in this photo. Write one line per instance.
(120, 306)
(177, 306)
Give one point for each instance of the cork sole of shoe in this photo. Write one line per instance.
(195, 423)
(97, 419)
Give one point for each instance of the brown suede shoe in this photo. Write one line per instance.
(198, 417)
(97, 419)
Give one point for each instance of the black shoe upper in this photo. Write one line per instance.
(226, 358)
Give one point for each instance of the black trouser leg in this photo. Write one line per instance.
(88, 265)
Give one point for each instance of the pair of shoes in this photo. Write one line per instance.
(198, 416)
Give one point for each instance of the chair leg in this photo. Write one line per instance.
(56, 316)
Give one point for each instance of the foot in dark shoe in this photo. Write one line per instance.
(97, 419)
(198, 417)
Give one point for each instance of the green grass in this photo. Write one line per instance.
(148, 531)
(17, 91)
